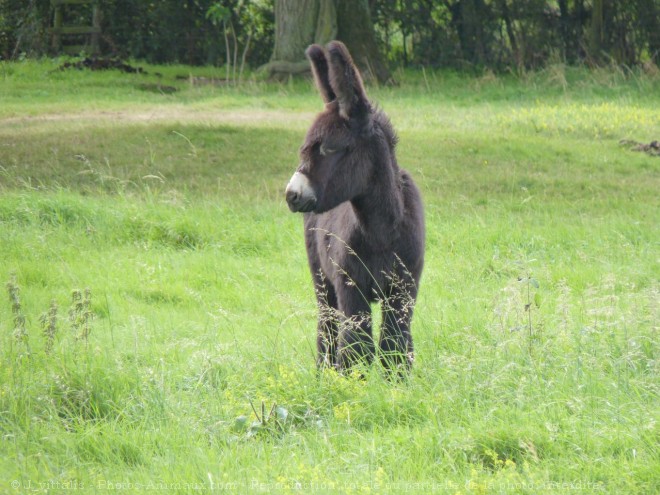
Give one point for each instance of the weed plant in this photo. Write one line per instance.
(188, 363)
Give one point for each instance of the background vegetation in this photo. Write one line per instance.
(467, 34)
(157, 323)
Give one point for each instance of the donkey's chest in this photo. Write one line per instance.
(366, 271)
(347, 256)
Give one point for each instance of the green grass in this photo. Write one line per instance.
(536, 329)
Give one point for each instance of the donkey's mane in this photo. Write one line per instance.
(386, 125)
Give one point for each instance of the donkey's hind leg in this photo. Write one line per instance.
(395, 343)
(326, 335)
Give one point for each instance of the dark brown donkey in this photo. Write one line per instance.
(364, 221)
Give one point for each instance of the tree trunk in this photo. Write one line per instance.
(517, 54)
(295, 24)
(650, 11)
(356, 30)
(596, 31)
(299, 23)
(565, 29)
(467, 16)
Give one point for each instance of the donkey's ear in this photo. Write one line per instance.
(346, 82)
(319, 62)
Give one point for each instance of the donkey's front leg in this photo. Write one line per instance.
(326, 336)
(356, 343)
(396, 345)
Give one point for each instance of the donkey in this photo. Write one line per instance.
(363, 219)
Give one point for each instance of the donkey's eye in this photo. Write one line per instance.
(327, 150)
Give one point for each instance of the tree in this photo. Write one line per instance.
(596, 30)
(299, 23)
(472, 19)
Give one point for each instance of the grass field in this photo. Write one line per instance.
(157, 329)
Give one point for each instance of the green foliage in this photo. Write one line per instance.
(466, 34)
(536, 327)
(189, 31)
(518, 34)
(167, 31)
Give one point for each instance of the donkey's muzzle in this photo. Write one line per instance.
(299, 194)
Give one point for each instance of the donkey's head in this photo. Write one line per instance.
(345, 143)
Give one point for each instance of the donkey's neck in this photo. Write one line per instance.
(380, 210)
